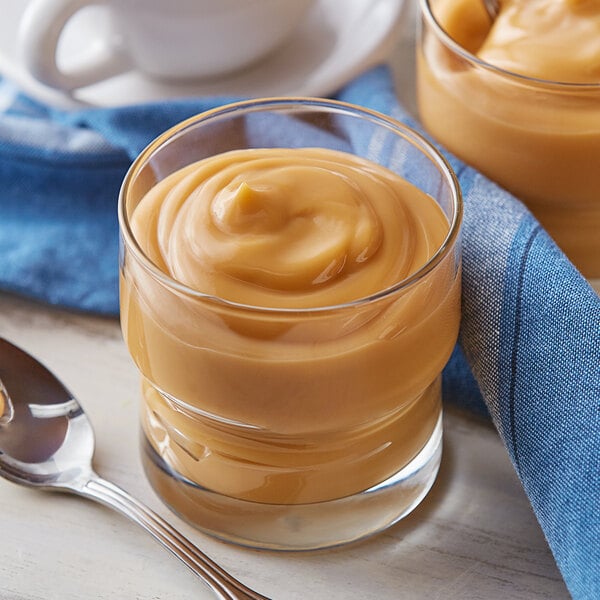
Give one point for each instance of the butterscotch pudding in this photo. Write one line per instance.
(290, 310)
(519, 99)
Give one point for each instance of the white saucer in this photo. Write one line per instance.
(330, 47)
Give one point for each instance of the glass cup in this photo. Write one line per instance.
(292, 428)
(538, 139)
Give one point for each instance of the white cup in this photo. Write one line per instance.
(164, 39)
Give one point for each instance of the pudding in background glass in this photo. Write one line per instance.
(290, 292)
(520, 101)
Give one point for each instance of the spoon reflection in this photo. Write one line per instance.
(492, 7)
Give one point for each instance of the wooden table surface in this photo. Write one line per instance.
(474, 537)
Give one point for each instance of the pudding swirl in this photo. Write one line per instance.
(287, 228)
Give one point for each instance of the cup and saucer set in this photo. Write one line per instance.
(71, 53)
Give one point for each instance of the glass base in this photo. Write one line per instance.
(297, 526)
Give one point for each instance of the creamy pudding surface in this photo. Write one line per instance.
(534, 126)
(287, 386)
(287, 228)
(557, 40)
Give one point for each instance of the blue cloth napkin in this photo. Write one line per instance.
(530, 338)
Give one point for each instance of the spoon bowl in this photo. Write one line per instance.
(33, 433)
(47, 441)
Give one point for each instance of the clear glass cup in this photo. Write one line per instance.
(538, 139)
(292, 428)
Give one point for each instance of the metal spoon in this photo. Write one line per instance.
(47, 441)
(492, 7)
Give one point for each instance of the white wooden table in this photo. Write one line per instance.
(474, 537)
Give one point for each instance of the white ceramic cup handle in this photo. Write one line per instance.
(40, 30)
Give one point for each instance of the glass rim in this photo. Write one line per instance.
(443, 35)
(274, 103)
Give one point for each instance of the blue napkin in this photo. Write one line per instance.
(530, 338)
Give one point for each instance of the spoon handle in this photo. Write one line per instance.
(222, 583)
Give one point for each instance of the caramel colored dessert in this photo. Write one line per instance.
(268, 376)
(538, 139)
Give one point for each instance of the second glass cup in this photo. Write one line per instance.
(539, 139)
(290, 318)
